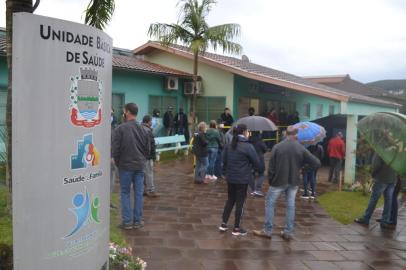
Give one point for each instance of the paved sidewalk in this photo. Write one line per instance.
(181, 233)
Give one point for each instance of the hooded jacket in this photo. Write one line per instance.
(240, 162)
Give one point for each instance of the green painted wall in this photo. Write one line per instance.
(3, 72)
(366, 109)
(137, 87)
(216, 82)
(244, 86)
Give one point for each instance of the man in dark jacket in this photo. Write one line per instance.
(169, 122)
(227, 119)
(287, 158)
(181, 125)
(149, 166)
(384, 183)
(129, 154)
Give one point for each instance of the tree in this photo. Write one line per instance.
(193, 31)
(98, 14)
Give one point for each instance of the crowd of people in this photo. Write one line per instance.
(240, 161)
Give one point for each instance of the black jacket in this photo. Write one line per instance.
(150, 143)
(240, 162)
(200, 145)
(180, 121)
(260, 148)
(227, 119)
(317, 151)
(130, 148)
(382, 172)
(287, 158)
(168, 120)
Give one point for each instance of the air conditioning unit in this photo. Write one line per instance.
(189, 86)
(171, 83)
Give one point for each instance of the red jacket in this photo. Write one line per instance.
(336, 148)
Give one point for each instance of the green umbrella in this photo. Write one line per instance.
(386, 133)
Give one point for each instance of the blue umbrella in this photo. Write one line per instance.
(310, 133)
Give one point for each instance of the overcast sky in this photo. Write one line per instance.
(363, 38)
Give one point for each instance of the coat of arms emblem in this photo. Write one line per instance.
(85, 108)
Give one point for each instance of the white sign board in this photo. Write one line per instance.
(61, 82)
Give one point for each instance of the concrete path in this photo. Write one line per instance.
(181, 233)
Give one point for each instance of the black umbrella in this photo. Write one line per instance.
(257, 123)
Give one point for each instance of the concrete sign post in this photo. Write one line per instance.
(61, 144)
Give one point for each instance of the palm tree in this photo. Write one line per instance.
(193, 31)
(98, 14)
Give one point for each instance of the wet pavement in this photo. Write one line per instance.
(181, 232)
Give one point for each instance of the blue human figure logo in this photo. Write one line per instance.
(81, 210)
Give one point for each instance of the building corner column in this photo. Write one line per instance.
(350, 148)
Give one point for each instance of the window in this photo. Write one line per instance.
(117, 103)
(331, 110)
(161, 103)
(306, 110)
(319, 110)
(244, 103)
(209, 108)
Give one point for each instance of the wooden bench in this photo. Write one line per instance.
(169, 143)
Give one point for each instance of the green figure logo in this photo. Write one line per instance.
(85, 209)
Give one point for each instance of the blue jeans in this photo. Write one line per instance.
(218, 166)
(257, 181)
(309, 177)
(201, 168)
(377, 190)
(270, 204)
(212, 160)
(136, 178)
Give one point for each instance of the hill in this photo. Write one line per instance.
(390, 85)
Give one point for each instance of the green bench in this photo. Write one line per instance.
(170, 143)
(2, 143)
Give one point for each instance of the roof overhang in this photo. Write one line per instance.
(150, 46)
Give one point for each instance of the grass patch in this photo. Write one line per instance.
(345, 206)
(116, 234)
(170, 155)
(6, 235)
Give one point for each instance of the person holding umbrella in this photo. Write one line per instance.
(384, 183)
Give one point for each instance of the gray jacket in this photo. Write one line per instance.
(130, 146)
(287, 158)
(382, 172)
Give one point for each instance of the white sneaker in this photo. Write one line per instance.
(213, 177)
(208, 176)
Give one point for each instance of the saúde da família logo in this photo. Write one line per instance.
(86, 210)
(87, 155)
(85, 95)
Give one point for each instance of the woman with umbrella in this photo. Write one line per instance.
(310, 134)
(386, 134)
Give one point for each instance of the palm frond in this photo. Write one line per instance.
(169, 33)
(99, 13)
(223, 35)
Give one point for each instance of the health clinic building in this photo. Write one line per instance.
(155, 77)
